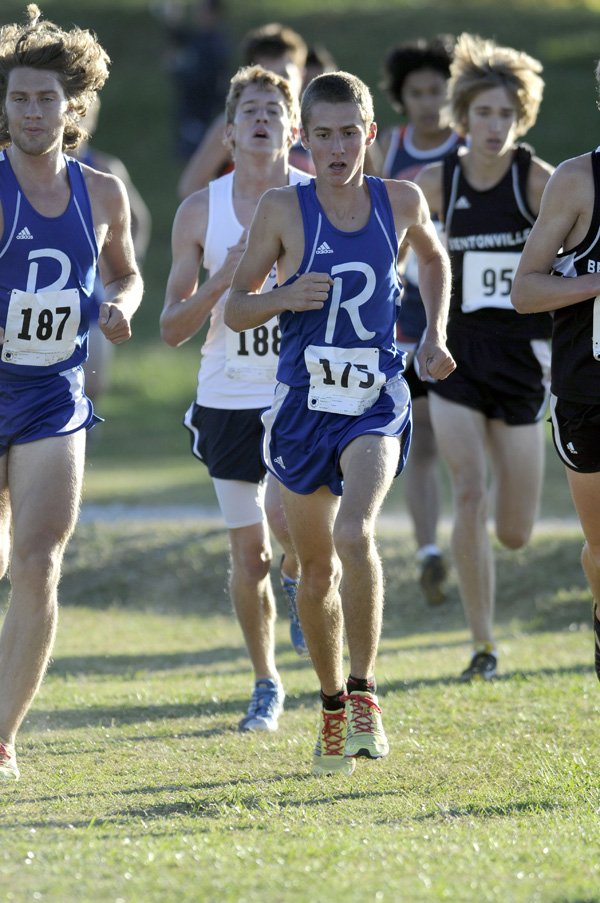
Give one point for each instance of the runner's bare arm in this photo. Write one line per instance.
(246, 307)
(187, 305)
(118, 268)
(562, 222)
(412, 214)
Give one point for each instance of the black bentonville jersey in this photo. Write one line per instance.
(486, 232)
(575, 371)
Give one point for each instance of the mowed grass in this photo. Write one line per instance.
(136, 786)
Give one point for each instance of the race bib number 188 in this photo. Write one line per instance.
(253, 355)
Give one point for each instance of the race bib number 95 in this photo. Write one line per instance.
(343, 380)
(488, 279)
(41, 327)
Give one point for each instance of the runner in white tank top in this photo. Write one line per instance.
(236, 378)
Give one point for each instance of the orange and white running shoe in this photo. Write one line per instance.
(329, 755)
(365, 735)
(9, 770)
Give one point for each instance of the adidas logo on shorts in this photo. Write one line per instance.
(279, 462)
(324, 249)
(25, 233)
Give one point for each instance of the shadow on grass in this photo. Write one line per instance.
(174, 569)
(134, 665)
(120, 715)
(228, 785)
(496, 811)
(407, 686)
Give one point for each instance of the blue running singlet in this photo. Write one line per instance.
(47, 272)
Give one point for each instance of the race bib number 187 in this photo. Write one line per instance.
(41, 327)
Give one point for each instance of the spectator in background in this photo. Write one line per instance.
(318, 61)
(279, 49)
(415, 80)
(198, 60)
(100, 349)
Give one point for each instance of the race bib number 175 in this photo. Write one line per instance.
(343, 380)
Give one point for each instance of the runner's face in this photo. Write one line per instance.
(36, 107)
(492, 121)
(423, 98)
(337, 137)
(261, 123)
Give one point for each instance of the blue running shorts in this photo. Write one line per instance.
(34, 408)
(302, 448)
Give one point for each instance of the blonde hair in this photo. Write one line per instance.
(75, 57)
(265, 80)
(479, 65)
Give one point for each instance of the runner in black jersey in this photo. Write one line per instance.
(488, 195)
(566, 242)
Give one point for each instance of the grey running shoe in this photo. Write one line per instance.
(266, 705)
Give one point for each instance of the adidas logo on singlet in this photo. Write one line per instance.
(462, 204)
(25, 233)
(324, 249)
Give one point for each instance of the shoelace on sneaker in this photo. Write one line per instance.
(263, 698)
(360, 716)
(333, 734)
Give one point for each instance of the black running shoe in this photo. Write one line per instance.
(597, 643)
(434, 572)
(483, 667)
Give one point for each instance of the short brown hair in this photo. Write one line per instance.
(75, 56)
(479, 65)
(337, 87)
(272, 41)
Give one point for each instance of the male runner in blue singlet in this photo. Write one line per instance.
(339, 425)
(55, 221)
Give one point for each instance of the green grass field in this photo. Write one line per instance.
(136, 787)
